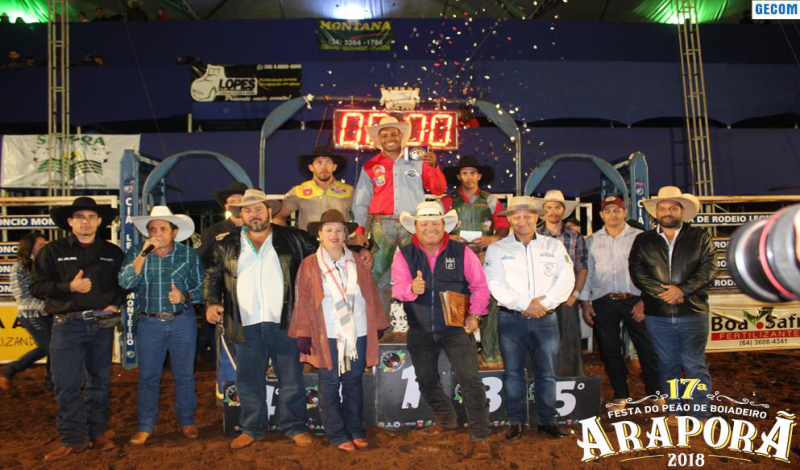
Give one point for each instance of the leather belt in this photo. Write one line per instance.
(161, 316)
(519, 314)
(380, 217)
(619, 296)
(87, 314)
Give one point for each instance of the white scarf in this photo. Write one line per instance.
(343, 302)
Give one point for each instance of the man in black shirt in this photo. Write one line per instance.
(77, 277)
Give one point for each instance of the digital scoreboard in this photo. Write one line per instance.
(435, 129)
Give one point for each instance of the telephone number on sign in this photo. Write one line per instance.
(763, 342)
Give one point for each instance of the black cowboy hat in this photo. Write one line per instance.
(322, 151)
(451, 172)
(236, 187)
(60, 214)
(330, 215)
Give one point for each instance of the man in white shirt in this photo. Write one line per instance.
(610, 298)
(529, 275)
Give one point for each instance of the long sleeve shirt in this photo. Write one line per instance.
(608, 264)
(573, 242)
(181, 267)
(389, 187)
(478, 291)
(518, 273)
(27, 305)
(59, 262)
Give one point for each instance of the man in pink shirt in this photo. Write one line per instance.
(442, 265)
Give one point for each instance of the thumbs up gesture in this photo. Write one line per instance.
(418, 284)
(175, 296)
(80, 284)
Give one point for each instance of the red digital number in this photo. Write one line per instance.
(417, 128)
(373, 119)
(351, 126)
(428, 128)
(441, 133)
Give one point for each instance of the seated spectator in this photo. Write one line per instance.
(135, 12)
(14, 60)
(465, 117)
(19, 20)
(88, 60)
(30, 61)
(161, 15)
(98, 61)
(99, 15)
(4, 18)
(82, 17)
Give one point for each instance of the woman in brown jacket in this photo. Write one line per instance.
(337, 321)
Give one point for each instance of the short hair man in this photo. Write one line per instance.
(167, 277)
(77, 277)
(429, 266)
(529, 275)
(610, 298)
(322, 192)
(672, 266)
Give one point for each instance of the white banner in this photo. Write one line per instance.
(94, 161)
(739, 323)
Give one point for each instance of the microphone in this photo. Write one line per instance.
(147, 250)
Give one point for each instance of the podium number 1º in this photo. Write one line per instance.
(691, 386)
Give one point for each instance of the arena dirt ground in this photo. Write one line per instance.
(28, 415)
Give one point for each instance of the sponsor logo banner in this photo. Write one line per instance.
(737, 322)
(11, 222)
(251, 82)
(355, 35)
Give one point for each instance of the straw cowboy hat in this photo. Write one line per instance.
(222, 195)
(690, 204)
(184, 222)
(60, 214)
(555, 195)
(403, 127)
(322, 151)
(329, 216)
(468, 161)
(429, 210)
(253, 196)
(522, 203)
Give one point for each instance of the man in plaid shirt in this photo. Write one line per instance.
(167, 277)
(556, 209)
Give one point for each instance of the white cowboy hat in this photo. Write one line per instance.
(403, 127)
(555, 195)
(522, 203)
(429, 210)
(690, 204)
(184, 223)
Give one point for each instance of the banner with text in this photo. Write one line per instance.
(355, 35)
(740, 323)
(252, 82)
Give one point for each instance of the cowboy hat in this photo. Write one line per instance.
(468, 161)
(522, 203)
(60, 214)
(690, 204)
(233, 188)
(184, 223)
(555, 195)
(429, 210)
(329, 216)
(322, 151)
(253, 196)
(403, 127)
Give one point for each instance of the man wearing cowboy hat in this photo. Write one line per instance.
(321, 192)
(529, 275)
(556, 209)
(77, 277)
(167, 277)
(387, 186)
(672, 266)
(230, 195)
(432, 264)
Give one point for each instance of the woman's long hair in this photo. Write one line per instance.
(25, 250)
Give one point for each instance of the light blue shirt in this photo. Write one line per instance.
(608, 264)
(259, 285)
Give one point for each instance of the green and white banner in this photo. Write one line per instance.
(354, 35)
(93, 161)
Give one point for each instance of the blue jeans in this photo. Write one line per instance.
(518, 337)
(39, 327)
(680, 342)
(78, 349)
(343, 417)
(265, 341)
(154, 338)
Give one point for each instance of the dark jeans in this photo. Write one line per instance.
(39, 328)
(569, 362)
(609, 338)
(81, 348)
(343, 417)
(262, 342)
(155, 338)
(461, 351)
(539, 337)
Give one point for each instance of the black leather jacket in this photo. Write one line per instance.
(219, 285)
(694, 266)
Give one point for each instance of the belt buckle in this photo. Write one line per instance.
(87, 315)
(165, 316)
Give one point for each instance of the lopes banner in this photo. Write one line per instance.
(355, 35)
(252, 82)
(93, 161)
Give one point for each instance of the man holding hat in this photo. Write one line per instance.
(321, 192)
(672, 266)
(529, 275)
(610, 298)
(167, 277)
(430, 265)
(230, 195)
(556, 209)
(77, 277)
(388, 185)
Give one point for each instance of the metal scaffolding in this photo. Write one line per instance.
(58, 130)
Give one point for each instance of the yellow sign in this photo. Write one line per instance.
(14, 339)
